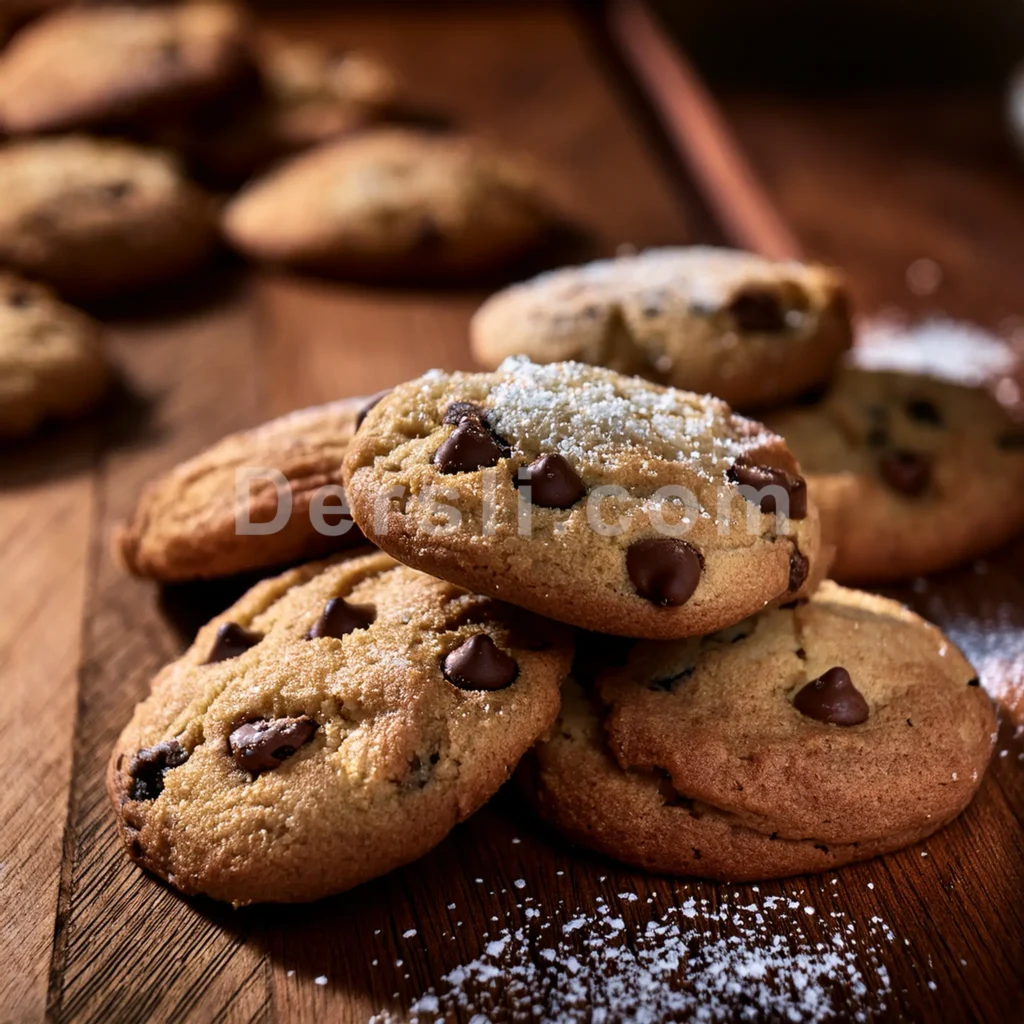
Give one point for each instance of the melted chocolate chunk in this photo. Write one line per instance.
(479, 664)
(907, 473)
(760, 477)
(340, 618)
(664, 570)
(553, 482)
(471, 445)
(758, 309)
(370, 403)
(924, 411)
(232, 640)
(148, 767)
(798, 568)
(263, 745)
(832, 698)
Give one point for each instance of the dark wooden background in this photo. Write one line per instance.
(871, 185)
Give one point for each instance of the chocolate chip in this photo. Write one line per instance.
(471, 445)
(428, 234)
(148, 767)
(974, 682)
(232, 640)
(832, 698)
(664, 570)
(798, 568)
(1012, 441)
(370, 403)
(340, 618)
(553, 482)
(758, 309)
(117, 189)
(907, 473)
(924, 411)
(263, 745)
(459, 411)
(479, 664)
(760, 477)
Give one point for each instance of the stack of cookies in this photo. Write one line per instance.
(611, 583)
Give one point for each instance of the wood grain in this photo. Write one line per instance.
(125, 947)
(46, 512)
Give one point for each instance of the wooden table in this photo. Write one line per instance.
(85, 936)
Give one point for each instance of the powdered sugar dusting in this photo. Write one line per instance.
(951, 350)
(597, 417)
(709, 962)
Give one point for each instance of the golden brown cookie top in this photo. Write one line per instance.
(398, 197)
(78, 67)
(185, 525)
(750, 330)
(602, 500)
(334, 723)
(913, 472)
(93, 215)
(841, 718)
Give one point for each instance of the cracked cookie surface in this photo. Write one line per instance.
(184, 526)
(911, 473)
(392, 202)
(752, 331)
(594, 498)
(96, 216)
(336, 723)
(52, 362)
(748, 754)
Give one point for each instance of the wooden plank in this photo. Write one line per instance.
(46, 509)
(127, 947)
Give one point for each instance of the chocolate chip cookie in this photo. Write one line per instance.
(187, 525)
(911, 473)
(52, 362)
(806, 737)
(95, 216)
(392, 202)
(82, 67)
(752, 331)
(605, 501)
(336, 723)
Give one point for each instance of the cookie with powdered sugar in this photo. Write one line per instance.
(601, 500)
(752, 331)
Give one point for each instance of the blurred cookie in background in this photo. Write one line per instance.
(52, 363)
(87, 66)
(914, 462)
(96, 217)
(301, 94)
(752, 331)
(394, 203)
